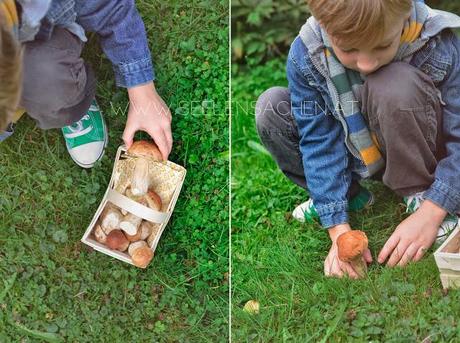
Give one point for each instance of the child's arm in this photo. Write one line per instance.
(124, 41)
(324, 156)
(417, 232)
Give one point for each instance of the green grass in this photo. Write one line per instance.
(279, 262)
(53, 287)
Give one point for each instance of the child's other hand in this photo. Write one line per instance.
(333, 266)
(414, 236)
(148, 112)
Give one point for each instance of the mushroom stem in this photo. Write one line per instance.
(359, 265)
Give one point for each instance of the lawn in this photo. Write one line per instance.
(279, 262)
(53, 288)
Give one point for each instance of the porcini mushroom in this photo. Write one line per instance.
(142, 256)
(116, 240)
(153, 200)
(145, 149)
(100, 235)
(135, 245)
(130, 223)
(351, 246)
(136, 236)
(140, 179)
(110, 218)
(146, 229)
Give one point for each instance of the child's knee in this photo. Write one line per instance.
(269, 106)
(54, 75)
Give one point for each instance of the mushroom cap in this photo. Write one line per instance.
(142, 256)
(145, 149)
(116, 240)
(135, 237)
(136, 245)
(351, 244)
(153, 200)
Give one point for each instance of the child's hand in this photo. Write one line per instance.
(333, 266)
(148, 112)
(414, 236)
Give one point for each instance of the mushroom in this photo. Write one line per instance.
(130, 223)
(140, 179)
(142, 256)
(100, 235)
(351, 246)
(146, 229)
(116, 240)
(135, 245)
(137, 236)
(153, 200)
(252, 307)
(110, 218)
(145, 149)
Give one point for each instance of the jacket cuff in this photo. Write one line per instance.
(333, 214)
(134, 73)
(443, 195)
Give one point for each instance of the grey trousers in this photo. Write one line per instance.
(58, 86)
(402, 107)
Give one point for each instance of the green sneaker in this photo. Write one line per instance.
(307, 212)
(451, 221)
(87, 138)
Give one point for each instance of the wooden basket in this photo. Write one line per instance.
(166, 179)
(447, 258)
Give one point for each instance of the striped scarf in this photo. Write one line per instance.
(9, 14)
(361, 141)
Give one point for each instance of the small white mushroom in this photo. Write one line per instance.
(110, 218)
(146, 229)
(130, 223)
(100, 235)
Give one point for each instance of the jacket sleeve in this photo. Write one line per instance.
(445, 191)
(324, 154)
(123, 38)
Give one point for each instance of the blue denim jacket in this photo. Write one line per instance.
(329, 166)
(119, 27)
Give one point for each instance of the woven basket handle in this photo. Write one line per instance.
(135, 208)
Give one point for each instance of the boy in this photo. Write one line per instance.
(41, 42)
(374, 91)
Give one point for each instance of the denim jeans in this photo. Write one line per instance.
(58, 86)
(402, 107)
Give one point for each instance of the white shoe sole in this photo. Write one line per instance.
(106, 142)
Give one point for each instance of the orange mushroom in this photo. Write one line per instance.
(351, 246)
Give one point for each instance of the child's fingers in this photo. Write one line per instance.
(388, 248)
(159, 137)
(128, 135)
(397, 254)
(367, 256)
(408, 255)
(169, 139)
(331, 268)
(419, 254)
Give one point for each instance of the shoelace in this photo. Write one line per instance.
(77, 128)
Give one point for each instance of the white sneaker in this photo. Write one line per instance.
(87, 138)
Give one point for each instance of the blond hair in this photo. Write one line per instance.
(358, 22)
(10, 74)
